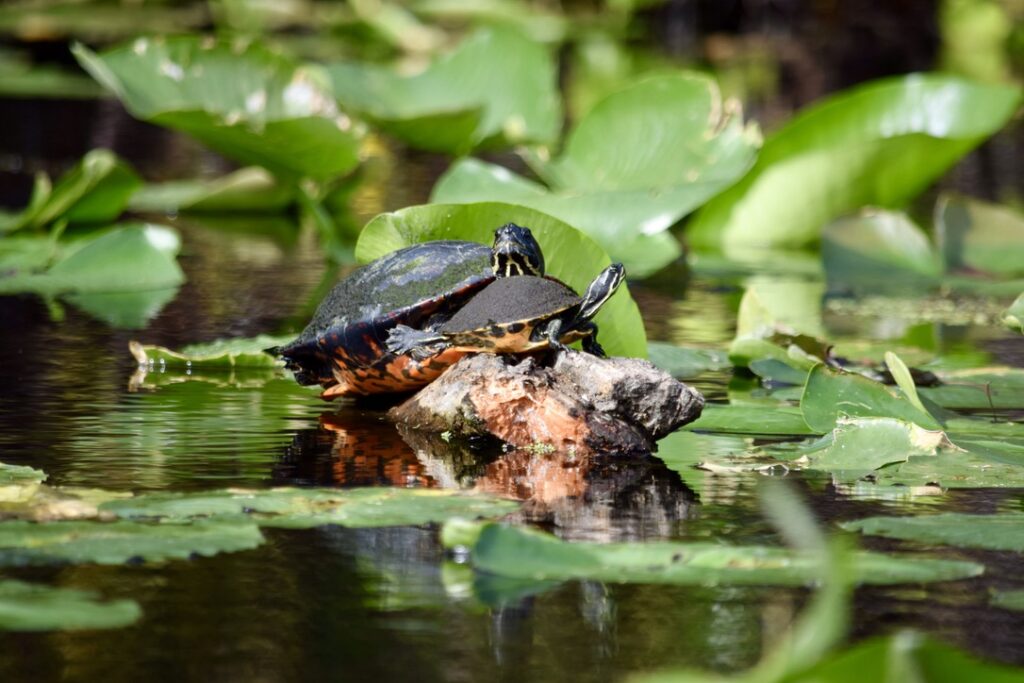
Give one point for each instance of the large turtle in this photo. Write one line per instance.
(343, 348)
(515, 315)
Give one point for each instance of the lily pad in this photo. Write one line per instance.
(33, 607)
(980, 237)
(249, 189)
(122, 541)
(523, 553)
(877, 144)
(613, 183)
(1003, 531)
(225, 353)
(831, 395)
(1014, 318)
(754, 420)
(572, 257)
(96, 190)
(878, 251)
(304, 508)
(473, 96)
(1009, 600)
(683, 363)
(240, 99)
(128, 258)
(18, 482)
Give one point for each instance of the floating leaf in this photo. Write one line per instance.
(571, 256)
(121, 541)
(1014, 318)
(980, 237)
(613, 183)
(683, 363)
(32, 607)
(225, 354)
(129, 258)
(18, 482)
(240, 99)
(458, 103)
(1009, 600)
(878, 144)
(305, 508)
(831, 395)
(1003, 531)
(759, 420)
(96, 190)
(247, 189)
(522, 553)
(856, 448)
(877, 251)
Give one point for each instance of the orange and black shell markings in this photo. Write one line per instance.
(343, 348)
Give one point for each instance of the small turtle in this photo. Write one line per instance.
(515, 315)
(343, 348)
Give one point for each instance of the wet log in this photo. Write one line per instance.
(579, 404)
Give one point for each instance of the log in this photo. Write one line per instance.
(578, 405)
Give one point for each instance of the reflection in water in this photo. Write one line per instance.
(598, 498)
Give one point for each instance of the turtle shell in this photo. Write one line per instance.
(343, 349)
(504, 315)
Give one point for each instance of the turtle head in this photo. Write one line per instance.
(516, 252)
(600, 290)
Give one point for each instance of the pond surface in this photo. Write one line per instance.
(388, 604)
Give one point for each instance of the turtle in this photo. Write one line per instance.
(343, 347)
(515, 315)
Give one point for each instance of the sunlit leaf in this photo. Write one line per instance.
(240, 99)
(18, 482)
(304, 508)
(831, 395)
(613, 182)
(34, 607)
(571, 256)
(121, 541)
(96, 190)
(475, 95)
(128, 258)
(877, 251)
(225, 353)
(1004, 531)
(1014, 318)
(246, 190)
(540, 22)
(980, 237)
(739, 419)
(523, 553)
(877, 144)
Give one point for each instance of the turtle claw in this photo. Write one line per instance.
(591, 346)
(407, 341)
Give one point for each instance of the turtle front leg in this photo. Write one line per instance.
(419, 344)
(553, 333)
(590, 344)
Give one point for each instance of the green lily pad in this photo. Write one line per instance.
(753, 420)
(458, 103)
(571, 256)
(683, 363)
(878, 251)
(780, 320)
(980, 237)
(33, 607)
(978, 388)
(613, 183)
(1009, 600)
(122, 541)
(858, 447)
(96, 190)
(304, 508)
(877, 144)
(1014, 317)
(523, 553)
(831, 395)
(240, 99)
(248, 189)
(18, 482)
(226, 354)
(1003, 531)
(128, 258)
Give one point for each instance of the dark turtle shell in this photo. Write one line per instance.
(343, 349)
(524, 299)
